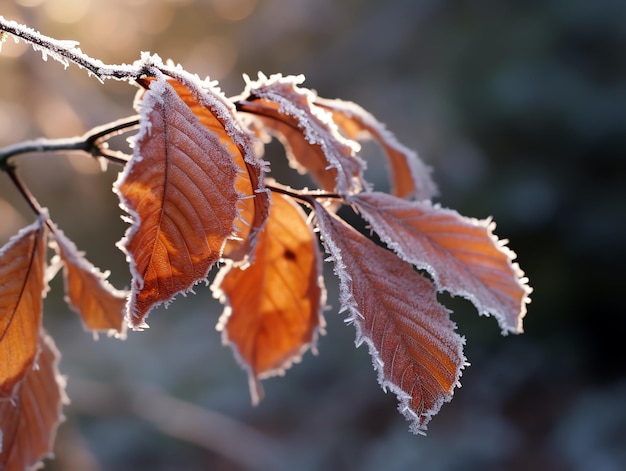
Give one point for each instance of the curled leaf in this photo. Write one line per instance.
(29, 420)
(410, 177)
(274, 305)
(179, 189)
(22, 288)
(461, 254)
(410, 336)
(310, 136)
(100, 306)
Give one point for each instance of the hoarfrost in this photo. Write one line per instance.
(396, 313)
(316, 124)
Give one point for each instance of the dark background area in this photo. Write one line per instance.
(520, 108)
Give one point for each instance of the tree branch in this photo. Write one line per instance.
(67, 51)
(23, 189)
(305, 196)
(92, 143)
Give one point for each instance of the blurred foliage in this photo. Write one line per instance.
(519, 106)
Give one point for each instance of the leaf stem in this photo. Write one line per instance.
(303, 195)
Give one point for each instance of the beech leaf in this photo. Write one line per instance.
(215, 112)
(311, 138)
(273, 312)
(410, 336)
(179, 189)
(410, 177)
(29, 420)
(22, 288)
(462, 255)
(100, 306)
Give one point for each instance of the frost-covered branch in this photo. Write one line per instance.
(93, 142)
(66, 52)
(303, 195)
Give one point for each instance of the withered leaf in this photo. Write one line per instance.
(273, 312)
(462, 255)
(215, 112)
(410, 335)
(29, 420)
(179, 189)
(22, 288)
(100, 306)
(410, 177)
(311, 138)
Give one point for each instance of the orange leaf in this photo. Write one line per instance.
(29, 420)
(179, 188)
(217, 114)
(461, 254)
(410, 335)
(409, 176)
(100, 306)
(22, 288)
(274, 305)
(310, 136)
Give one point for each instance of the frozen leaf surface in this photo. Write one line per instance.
(22, 288)
(217, 114)
(411, 338)
(274, 305)
(410, 177)
(310, 136)
(461, 254)
(29, 420)
(179, 189)
(100, 306)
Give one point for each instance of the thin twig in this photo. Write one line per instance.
(91, 143)
(24, 191)
(306, 196)
(111, 129)
(67, 51)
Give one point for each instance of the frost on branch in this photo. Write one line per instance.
(461, 254)
(410, 336)
(179, 189)
(274, 306)
(194, 192)
(308, 132)
(29, 419)
(22, 288)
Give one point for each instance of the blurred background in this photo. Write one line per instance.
(519, 107)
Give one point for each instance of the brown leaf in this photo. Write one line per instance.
(410, 177)
(29, 420)
(22, 288)
(461, 254)
(179, 189)
(410, 336)
(100, 306)
(310, 136)
(216, 113)
(274, 305)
